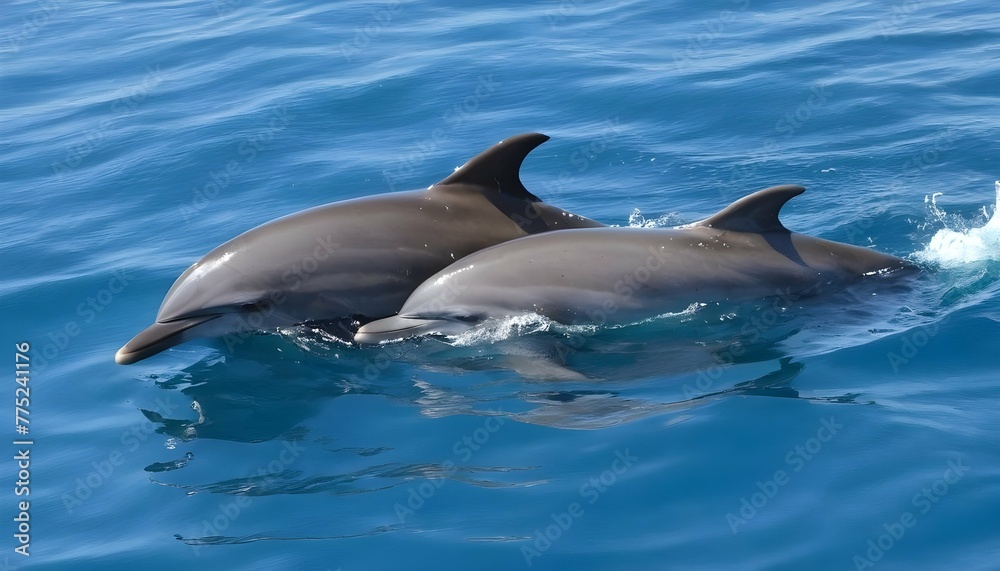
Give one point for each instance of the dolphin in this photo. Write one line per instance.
(624, 275)
(356, 259)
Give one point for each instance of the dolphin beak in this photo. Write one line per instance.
(158, 337)
(395, 328)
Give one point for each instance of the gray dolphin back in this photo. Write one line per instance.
(354, 259)
(622, 275)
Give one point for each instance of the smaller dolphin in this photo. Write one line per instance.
(624, 275)
(356, 259)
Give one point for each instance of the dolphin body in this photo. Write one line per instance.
(356, 259)
(624, 275)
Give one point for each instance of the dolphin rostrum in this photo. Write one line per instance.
(356, 259)
(624, 275)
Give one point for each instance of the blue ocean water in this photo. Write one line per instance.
(856, 432)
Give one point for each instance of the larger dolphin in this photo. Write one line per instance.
(353, 259)
(622, 275)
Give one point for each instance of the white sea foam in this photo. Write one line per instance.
(962, 242)
(494, 330)
(638, 220)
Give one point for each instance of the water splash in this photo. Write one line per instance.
(524, 324)
(494, 330)
(638, 220)
(961, 241)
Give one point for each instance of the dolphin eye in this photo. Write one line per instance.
(466, 318)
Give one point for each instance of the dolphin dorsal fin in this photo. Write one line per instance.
(757, 212)
(498, 167)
